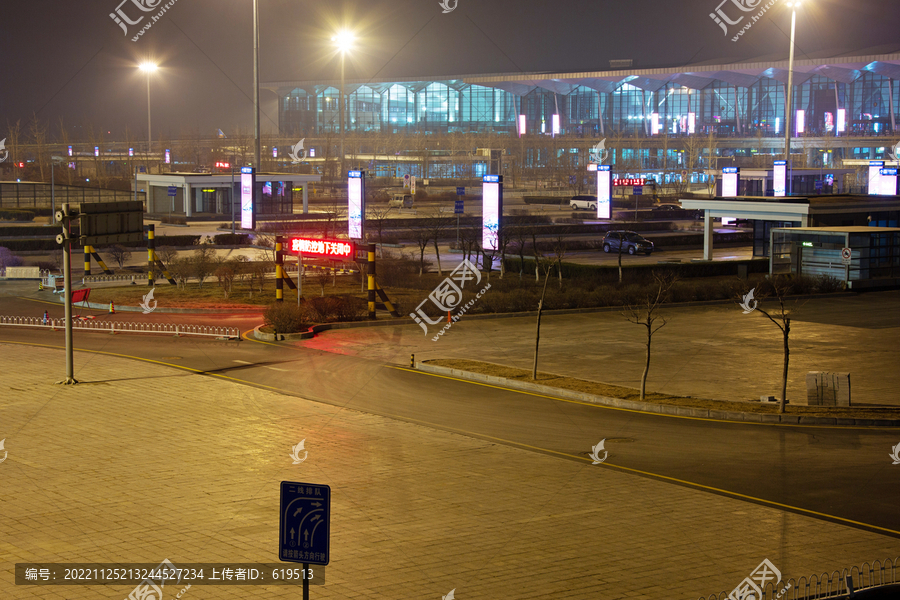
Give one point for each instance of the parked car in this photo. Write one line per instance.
(667, 209)
(632, 243)
(586, 202)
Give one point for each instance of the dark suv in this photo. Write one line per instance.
(631, 242)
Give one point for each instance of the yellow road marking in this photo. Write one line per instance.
(631, 410)
(503, 440)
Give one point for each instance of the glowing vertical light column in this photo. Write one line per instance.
(801, 121)
(521, 125)
(604, 192)
(491, 211)
(356, 205)
(779, 177)
(730, 178)
(841, 120)
(555, 125)
(875, 167)
(692, 119)
(654, 123)
(248, 184)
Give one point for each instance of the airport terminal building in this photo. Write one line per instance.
(847, 95)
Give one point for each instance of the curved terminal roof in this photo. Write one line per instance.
(843, 69)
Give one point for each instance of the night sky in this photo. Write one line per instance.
(71, 60)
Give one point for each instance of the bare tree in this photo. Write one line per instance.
(437, 224)
(378, 215)
(225, 273)
(645, 312)
(548, 266)
(560, 246)
(203, 263)
(781, 287)
(119, 253)
(422, 235)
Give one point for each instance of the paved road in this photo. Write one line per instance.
(841, 473)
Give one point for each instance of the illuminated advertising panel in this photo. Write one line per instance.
(356, 204)
(275, 152)
(131, 152)
(324, 248)
(618, 181)
(168, 157)
(248, 183)
(801, 121)
(96, 150)
(555, 122)
(730, 178)
(841, 120)
(889, 181)
(70, 150)
(654, 123)
(779, 177)
(521, 125)
(491, 211)
(875, 176)
(604, 192)
(692, 120)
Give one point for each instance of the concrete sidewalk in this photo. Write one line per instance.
(143, 462)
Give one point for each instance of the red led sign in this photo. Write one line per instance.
(330, 248)
(640, 181)
(223, 165)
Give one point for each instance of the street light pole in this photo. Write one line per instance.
(788, 101)
(257, 159)
(148, 68)
(341, 100)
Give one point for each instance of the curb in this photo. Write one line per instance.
(193, 311)
(664, 409)
(283, 337)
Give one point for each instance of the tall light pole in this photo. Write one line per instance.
(256, 162)
(344, 41)
(788, 101)
(148, 68)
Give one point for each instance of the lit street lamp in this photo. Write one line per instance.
(344, 41)
(788, 103)
(148, 68)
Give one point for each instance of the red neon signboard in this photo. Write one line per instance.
(633, 181)
(328, 248)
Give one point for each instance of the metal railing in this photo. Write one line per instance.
(833, 585)
(174, 329)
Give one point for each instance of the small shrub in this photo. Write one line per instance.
(167, 220)
(14, 214)
(826, 284)
(228, 239)
(286, 317)
(8, 259)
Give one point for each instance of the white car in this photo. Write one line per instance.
(586, 202)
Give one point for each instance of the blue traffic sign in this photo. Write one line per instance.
(305, 523)
(460, 191)
(173, 190)
(458, 209)
(819, 184)
(638, 190)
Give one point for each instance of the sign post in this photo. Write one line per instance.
(304, 527)
(459, 208)
(100, 223)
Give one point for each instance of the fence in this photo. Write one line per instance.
(38, 195)
(836, 584)
(174, 329)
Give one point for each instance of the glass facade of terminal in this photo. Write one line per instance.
(454, 106)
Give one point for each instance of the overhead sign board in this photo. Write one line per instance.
(104, 223)
(305, 523)
(325, 248)
(248, 184)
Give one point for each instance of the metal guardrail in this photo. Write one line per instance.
(833, 585)
(174, 329)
